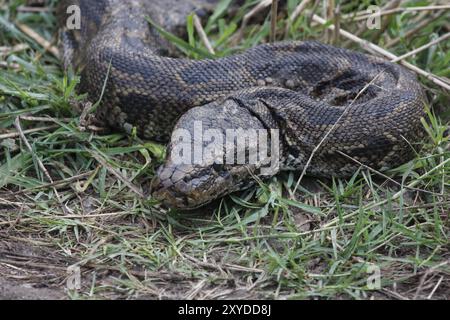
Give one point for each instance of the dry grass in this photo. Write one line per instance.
(71, 195)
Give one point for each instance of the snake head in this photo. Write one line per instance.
(215, 150)
(186, 186)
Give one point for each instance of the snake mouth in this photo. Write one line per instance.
(188, 187)
(169, 197)
(166, 192)
(185, 187)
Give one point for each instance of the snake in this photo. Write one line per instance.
(301, 105)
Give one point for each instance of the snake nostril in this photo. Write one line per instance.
(201, 13)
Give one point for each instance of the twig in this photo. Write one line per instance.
(430, 296)
(33, 9)
(222, 267)
(273, 21)
(33, 265)
(414, 207)
(425, 276)
(373, 47)
(395, 294)
(362, 15)
(196, 289)
(128, 183)
(337, 24)
(17, 134)
(45, 119)
(58, 184)
(4, 51)
(202, 34)
(329, 14)
(426, 46)
(39, 39)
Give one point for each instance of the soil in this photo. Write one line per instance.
(29, 273)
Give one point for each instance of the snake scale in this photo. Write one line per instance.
(343, 109)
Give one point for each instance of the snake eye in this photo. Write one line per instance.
(217, 167)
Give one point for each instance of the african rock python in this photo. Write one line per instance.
(367, 109)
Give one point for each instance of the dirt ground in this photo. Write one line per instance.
(13, 290)
(33, 272)
(30, 272)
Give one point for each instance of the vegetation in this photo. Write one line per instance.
(72, 195)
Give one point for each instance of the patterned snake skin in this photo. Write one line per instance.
(367, 109)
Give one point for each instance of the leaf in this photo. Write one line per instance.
(221, 7)
(302, 206)
(180, 43)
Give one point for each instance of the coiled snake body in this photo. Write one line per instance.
(360, 110)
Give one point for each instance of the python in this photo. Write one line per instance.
(360, 109)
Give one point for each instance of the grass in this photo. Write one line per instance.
(326, 240)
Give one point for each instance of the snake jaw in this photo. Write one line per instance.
(182, 187)
(187, 187)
